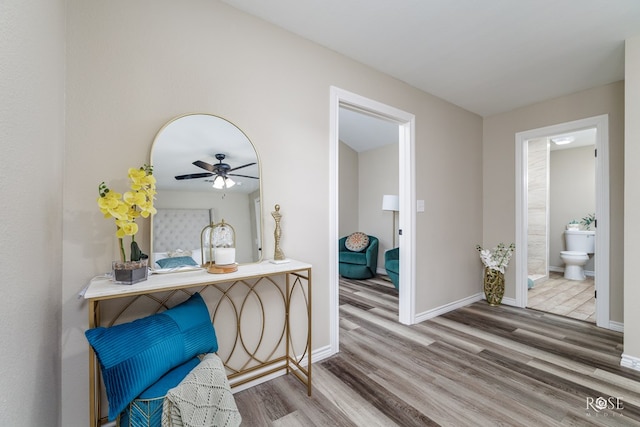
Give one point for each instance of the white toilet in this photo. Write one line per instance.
(580, 245)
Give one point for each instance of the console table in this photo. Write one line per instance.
(261, 314)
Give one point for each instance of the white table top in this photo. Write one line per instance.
(105, 288)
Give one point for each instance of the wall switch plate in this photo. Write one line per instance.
(420, 206)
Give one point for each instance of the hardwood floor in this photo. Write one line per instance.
(564, 297)
(475, 366)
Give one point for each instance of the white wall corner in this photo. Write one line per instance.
(508, 301)
(616, 326)
(321, 353)
(316, 356)
(434, 312)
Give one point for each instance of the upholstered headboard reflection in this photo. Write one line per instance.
(179, 229)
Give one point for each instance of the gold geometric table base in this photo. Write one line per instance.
(262, 317)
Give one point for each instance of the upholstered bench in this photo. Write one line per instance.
(140, 361)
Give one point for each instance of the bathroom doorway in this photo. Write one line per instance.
(559, 184)
(561, 195)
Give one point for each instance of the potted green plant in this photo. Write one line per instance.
(573, 225)
(588, 220)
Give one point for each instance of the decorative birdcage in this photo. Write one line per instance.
(218, 248)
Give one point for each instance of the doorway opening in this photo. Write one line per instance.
(562, 193)
(406, 196)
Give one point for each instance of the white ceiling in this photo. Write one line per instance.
(581, 138)
(487, 56)
(364, 132)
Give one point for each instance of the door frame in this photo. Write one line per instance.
(601, 123)
(407, 216)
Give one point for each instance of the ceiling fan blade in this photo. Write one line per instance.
(194, 175)
(243, 166)
(204, 165)
(244, 176)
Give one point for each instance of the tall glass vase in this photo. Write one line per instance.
(493, 286)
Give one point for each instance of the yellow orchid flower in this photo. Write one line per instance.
(146, 212)
(126, 228)
(126, 208)
(132, 213)
(134, 198)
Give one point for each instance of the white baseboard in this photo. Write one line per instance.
(616, 326)
(321, 353)
(630, 362)
(316, 356)
(434, 312)
(509, 301)
(458, 304)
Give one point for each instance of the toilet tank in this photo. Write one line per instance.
(580, 240)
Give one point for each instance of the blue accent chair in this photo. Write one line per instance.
(358, 265)
(392, 265)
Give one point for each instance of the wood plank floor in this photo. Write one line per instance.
(571, 298)
(475, 366)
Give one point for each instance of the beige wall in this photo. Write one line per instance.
(632, 199)
(499, 170)
(573, 196)
(348, 189)
(32, 139)
(365, 178)
(129, 71)
(362, 184)
(203, 56)
(378, 176)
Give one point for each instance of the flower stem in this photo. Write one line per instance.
(123, 255)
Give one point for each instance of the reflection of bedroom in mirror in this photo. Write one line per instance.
(206, 170)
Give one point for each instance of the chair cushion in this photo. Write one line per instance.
(357, 242)
(392, 265)
(134, 355)
(347, 257)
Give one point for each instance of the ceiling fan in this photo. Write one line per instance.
(220, 170)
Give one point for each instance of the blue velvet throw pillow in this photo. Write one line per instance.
(179, 261)
(135, 355)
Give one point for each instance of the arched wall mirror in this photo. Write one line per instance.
(206, 170)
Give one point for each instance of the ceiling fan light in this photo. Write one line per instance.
(229, 182)
(218, 183)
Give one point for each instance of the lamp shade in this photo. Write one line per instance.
(390, 202)
(221, 182)
(218, 182)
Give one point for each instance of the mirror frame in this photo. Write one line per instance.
(260, 233)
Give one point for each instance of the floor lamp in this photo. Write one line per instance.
(391, 203)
